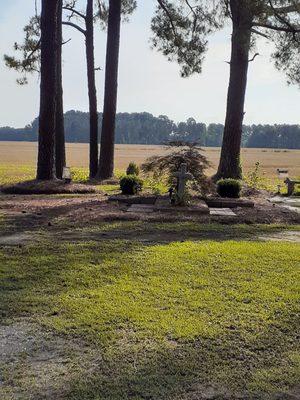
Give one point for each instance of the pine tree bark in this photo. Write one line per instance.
(230, 162)
(48, 88)
(90, 59)
(60, 149)
(106, 162)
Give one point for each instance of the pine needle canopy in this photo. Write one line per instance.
(181, 28)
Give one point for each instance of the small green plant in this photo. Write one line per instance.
(229, 188)
(254, 177)
(257, 179)
(131, 184)
(80, 175)
(155, 185)
(132, 169)
(181, 201)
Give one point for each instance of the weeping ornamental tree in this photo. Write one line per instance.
(181, 29)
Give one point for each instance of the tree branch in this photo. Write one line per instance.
(161, 3)
(36, 48)
(277, 28)
(165, 9)
(260, 33)
(75, 26)
(283, 10)
(254, 57)
(79, 14)
(67, 41)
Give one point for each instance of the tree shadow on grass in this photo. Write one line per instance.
(165, 232)
(237, 363)
(226, 367)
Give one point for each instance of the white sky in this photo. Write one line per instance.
(148, 82)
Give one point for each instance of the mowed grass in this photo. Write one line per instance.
(14, 173)
(172, 321)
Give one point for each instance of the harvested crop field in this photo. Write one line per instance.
(24, 153)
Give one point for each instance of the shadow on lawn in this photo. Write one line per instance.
(228, 367)
(239, 364)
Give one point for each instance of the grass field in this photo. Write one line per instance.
(24, 154)
(138, 310)
(131, 320)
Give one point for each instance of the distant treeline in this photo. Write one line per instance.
(144, 128)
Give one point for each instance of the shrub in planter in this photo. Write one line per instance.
(132, 169)
(229, 188)
(131, 184)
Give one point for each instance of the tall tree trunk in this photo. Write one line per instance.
(230, 163)
(48, 87)
(90, 58)
(106, 162)
(60, 150)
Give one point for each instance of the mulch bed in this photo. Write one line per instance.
(46, 187)
(35, 212)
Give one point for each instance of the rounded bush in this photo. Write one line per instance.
(229, 188)
(131, 184)
(132, 169)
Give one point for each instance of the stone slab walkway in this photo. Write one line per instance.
(141, 208)
(222, 212)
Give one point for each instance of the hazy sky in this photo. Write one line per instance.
(148, 82)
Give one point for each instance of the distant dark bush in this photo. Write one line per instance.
(229, 188)
(131, 184)
(133, 169)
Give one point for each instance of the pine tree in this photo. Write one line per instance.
(116, 9)
(30, 63)
(48, 89)
(88, 18)
(180, 32)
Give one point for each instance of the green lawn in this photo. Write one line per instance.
(12, 173)
(172, 321)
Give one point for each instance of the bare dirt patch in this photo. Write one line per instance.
(16, 239)
(38, 364)
(289, 236)
(45, 187)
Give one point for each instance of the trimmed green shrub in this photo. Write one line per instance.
(132, 169)
(131, 184)
(229, 188)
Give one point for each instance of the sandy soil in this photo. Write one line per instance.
(38, 361)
